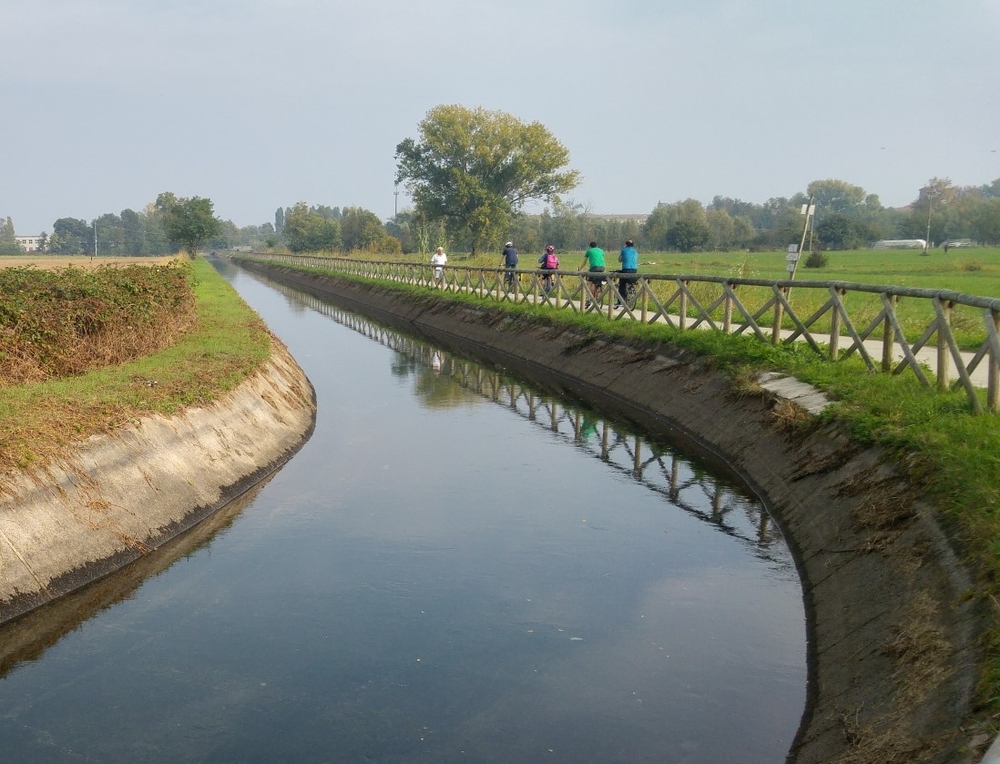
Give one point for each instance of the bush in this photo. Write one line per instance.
(817, 260)
(70, 321)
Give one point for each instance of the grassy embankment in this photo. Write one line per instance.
(953, 454)
(158, 339)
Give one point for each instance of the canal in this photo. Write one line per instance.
(458, 566)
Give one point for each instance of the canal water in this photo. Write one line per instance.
(458, 566)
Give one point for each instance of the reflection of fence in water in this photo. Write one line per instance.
(658, 468)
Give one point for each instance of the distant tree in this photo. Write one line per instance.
(721, 228)
(992, 190)
(110, 234)
(682, 226)
(133, 232)
(189, 222)
(836, 197)
(743, 232)
(654, 230)
(688, 235)
(71, 236)
(279, 221)
(474, 168)
(840, 232)
(931, 210)
(306, 230)
(328, 213)
(566, 226)
(986, 223)
(361, 229)
(8, 240)
(403, 228)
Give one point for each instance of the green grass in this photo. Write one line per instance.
(228, 344)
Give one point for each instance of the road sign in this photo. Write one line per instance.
(790, 267)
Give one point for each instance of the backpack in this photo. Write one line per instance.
(551, 261)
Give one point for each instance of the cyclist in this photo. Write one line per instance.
(594, 257)
(548, 262)
(629, 259)
(509, 263)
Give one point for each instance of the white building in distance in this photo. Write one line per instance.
(31, 243)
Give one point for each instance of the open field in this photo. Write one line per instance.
(974, 270)
(52, 262)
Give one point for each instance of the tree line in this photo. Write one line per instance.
(471, 172)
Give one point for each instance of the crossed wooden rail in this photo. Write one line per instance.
(759, 307)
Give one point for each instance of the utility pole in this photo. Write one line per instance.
(95, 242)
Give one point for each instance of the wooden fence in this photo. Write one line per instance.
(946, 339)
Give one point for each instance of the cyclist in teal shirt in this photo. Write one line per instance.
(629, 259)
(595, 258)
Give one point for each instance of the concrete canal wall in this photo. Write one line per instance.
(119, 496)
(894, 646)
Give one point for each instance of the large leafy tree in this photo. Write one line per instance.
(361, 229)
(71, 236)
(189, 223)
(837, 197)
(474, 168)
(307, 230)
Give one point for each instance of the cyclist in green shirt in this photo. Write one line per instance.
(594, 257)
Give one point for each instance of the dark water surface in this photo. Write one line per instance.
(456, 567)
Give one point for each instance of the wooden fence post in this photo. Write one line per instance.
(683, 310)
(835, 328)
(993, 379)
(727, 315)
(778, 315)
(943, 362)
(888, 336)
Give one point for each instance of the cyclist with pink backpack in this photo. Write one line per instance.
(548, 262)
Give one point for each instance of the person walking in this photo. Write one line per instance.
(594, 258)
(509, 262)
(629, 259)
(438, 259)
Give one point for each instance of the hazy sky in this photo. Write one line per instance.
(258, 104)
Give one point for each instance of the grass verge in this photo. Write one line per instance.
(228, 343)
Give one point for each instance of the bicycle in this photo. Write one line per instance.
(631, 290)
(548, 282)
(509, 277)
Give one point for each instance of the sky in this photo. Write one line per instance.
(260, 104)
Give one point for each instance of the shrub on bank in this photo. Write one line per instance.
(66, 322)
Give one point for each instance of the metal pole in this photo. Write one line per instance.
(809, 210)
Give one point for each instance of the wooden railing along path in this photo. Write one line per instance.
(950, 337)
